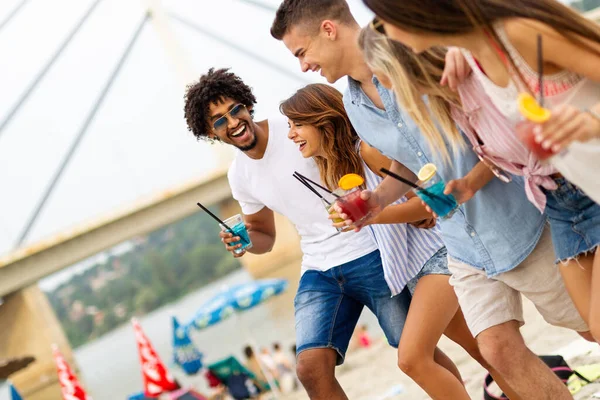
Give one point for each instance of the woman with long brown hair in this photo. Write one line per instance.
(500, 42)
(410, 256)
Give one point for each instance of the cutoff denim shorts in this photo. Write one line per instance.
(574, 220)
(328, 305)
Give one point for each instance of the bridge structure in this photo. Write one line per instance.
(29, 323)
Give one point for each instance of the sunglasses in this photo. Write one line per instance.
(236, 111)
(377, 26)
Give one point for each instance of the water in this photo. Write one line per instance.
(109, 366)
(442, 204)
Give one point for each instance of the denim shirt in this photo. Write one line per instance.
(495, 230)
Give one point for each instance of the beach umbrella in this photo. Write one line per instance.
(14, 395)
(157, 379)
(69, 384)
(235, 299)
(185, 354)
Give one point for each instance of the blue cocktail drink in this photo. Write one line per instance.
(238, 228)
(442, 204)
(432, 192)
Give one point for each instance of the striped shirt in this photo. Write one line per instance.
(491, 113)
(481, 119)
(404, 249)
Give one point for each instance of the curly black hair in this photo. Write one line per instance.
(213, 87)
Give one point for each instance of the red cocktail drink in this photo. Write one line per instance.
(525, 134)
(533, 115)
(354, 206)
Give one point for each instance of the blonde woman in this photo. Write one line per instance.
(415, 75)
(500, 44)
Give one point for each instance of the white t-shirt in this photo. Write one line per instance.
(269, 182)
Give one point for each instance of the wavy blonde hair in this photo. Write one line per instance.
(322, 106)
(455, 17)
(412, 75)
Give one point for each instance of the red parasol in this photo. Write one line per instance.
(157, 379)
(70, 386)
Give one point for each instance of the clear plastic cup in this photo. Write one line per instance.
(525, 133)
(532, 115)
(354, 206)
(238, 228)
(432, 192)
(328, 206)
(444, 205)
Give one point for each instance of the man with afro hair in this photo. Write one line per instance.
(341, 272)
(212, 89)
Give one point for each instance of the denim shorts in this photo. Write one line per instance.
(328, 305)
(436, 265)
(574, 220)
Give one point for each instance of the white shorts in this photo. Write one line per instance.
(486, 302)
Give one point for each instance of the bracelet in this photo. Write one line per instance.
(593, 113)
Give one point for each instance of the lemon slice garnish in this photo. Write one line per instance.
(427, 172)
(350, 181)
(530, 109)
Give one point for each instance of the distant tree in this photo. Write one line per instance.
(171, 262)
(145, 300)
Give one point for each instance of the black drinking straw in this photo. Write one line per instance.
(302, 181)
(540, 60)
(215, 217)
(316, 184)
(401, 179)
(414, 185)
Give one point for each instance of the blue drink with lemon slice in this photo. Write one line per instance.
(444, 205)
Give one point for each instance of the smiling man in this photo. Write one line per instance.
(335, 267)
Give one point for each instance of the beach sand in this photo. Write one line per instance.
(372, 374)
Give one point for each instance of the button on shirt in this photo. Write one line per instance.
(495, 230)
